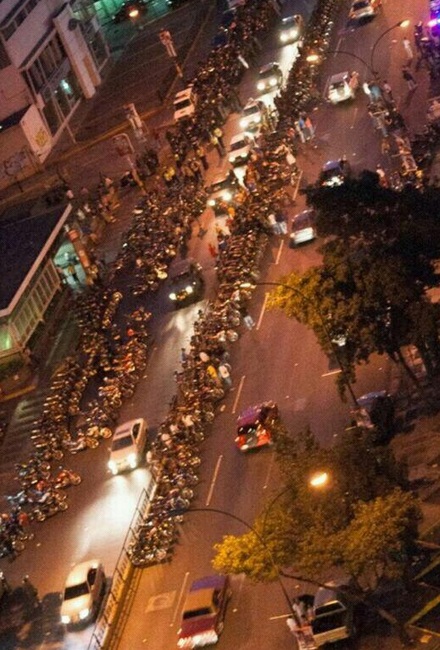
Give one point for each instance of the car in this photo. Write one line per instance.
(83, 593)
(255, 426)
(128, 444)
(342, 86)
(270, 77)
(334, 173)
(240, 148)
(253, 115)
(204, 612)
(376, 411)
(184, 103)
(363, 10)
(130, 10)
(186, 282)
(291, 28)
(303, 228)
(222, 191)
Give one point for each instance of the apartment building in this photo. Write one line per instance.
(51, 56)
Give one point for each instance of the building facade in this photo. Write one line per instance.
(51, 56)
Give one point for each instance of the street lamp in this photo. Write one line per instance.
(319, 480)
(401, 23)
(333, 345)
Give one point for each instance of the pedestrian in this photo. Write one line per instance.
(212, 250)
(247, 318)
(387, 91)
(183, 355)
(224, 371)
(274, 226)
(408, 50)
(71, 269)
(201, 154)
(216, 143)
(194, 165)
(406, 74)
(309, 128)
(219, 135)
(383, 181)
(30, 591)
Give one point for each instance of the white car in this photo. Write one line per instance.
(364, 9)
(270, 77)
(303, 228)
(253, 115)
(342, 86)
(291, 28)
(128, 445)
(83, 593)
(240, 148)
(184, 104)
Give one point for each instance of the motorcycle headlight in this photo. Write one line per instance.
(261, 85)
(227, 196)
(173, 296)
(211, 203)
(65, 619)
(189, 289)
(84, 613)
(112, 467)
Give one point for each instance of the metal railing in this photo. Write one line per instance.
(106, 627)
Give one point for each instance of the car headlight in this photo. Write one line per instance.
(243, 122)
(84, 613)
(283, 38)
(227, 196)
(189, 289)
(258, 118)
(132, 460)
(272, 82)
(65, 619)
(211, 202)
(173, 296)
(112, 467)
(261, 85)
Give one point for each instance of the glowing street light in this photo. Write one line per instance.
(319, 480)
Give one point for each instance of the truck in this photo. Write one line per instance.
(333, 615)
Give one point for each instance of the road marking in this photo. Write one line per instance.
(353, 122)
(237, 396)
(238, 592)
(332, 372)
(266, 483)
(295, 191)
(276, 618)
(214, 478)
(336, 50)
(181, 592)
(263, 309)
(277, 261)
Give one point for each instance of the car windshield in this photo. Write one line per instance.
(264, 74)
(238, 144)
(220, 185)
(75, 591)
(121, 443)
(337, 85)
(194, 613)
(251, 110)
(289, 22)
(361, 4)
(184, 103)
(301, 222)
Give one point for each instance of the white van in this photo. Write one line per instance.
(184, 103)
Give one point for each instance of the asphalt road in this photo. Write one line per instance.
(279, 359)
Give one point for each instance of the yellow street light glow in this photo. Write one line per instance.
(319, 480)
(404, 23)
(133, 13)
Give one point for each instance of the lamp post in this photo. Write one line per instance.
(333, 345)
(401, 23)
(303, 641)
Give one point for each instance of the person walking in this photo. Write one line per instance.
(411, 82)
(224, 371)
(247, 318)
(216, 143)
(201, 155)
(408, 50)
(387, 91)
(219, 135)
(196, 170)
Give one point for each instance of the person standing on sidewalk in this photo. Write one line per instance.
(408, 50)
(411, 82)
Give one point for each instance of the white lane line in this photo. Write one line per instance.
(214, 478)
(237, 397)
(269, 471)
(238, 592)
(263, 309)
(181, 592)
(276, 618)
(295, 191)
(277, 261)
(332, 372)
(336, 50)
(353, 122)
